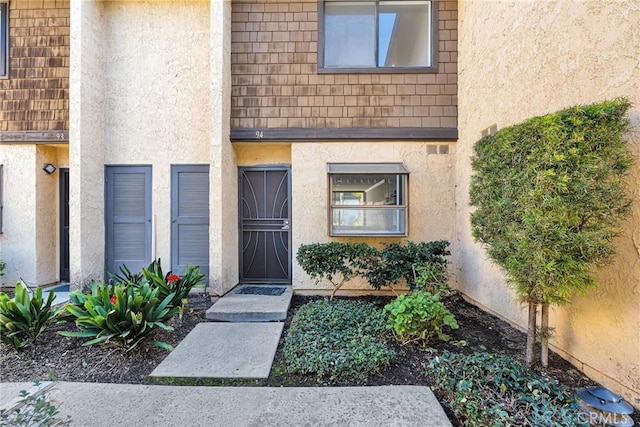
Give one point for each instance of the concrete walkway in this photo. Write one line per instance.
(223, 350)
(96, 405)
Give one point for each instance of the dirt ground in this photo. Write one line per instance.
(65, 359)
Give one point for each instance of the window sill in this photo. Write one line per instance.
(378, 70)
(352, 234)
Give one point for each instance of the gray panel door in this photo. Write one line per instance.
(265, 215)
(128, 217)
(190, 217)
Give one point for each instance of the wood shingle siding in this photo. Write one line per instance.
(35, 97)
(275, 83)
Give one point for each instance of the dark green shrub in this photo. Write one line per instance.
(398, 261)
(432, 278)
(339, 262)
(123, 314)
(419, 316)
(24, 318)
(335, 262)
(338, 340)
(485, 389)
(172, 284)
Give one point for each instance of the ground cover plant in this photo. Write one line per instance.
(549, 196)
(485, 389)
(337, 340)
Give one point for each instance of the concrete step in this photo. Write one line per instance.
(237, 306)
(223, 350)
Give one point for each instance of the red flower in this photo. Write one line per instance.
(173, 278)
(114, 299)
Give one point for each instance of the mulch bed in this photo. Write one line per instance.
(65, 359)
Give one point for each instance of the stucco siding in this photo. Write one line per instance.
(18, 239)
(523, 59)
(431, 196)
(29, 242)
(156, 104)
(86, 143)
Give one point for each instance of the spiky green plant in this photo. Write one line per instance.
(25, 317)
(173, 284)
(120, 313)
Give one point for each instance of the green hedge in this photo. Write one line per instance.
(339, 262)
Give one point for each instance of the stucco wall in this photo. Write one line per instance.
(46, 216)
(526, 58)
(17, 242)
(262, 154)
(29, 242)
(223, 180)
(156, 105)
(86, 143)
(431, 195)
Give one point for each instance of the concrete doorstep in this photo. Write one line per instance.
(238, 307)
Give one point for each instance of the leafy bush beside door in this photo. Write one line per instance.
(338, 262)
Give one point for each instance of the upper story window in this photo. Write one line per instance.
(368, 199)
(4, 39)
(377, 36)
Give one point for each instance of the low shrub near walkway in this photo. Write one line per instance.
(337, 340)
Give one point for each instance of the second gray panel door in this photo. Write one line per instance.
(190, 217)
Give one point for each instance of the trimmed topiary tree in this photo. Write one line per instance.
(550, 195)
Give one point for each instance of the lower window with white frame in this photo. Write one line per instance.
(368, 199)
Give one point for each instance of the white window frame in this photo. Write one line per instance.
(401, 208)
(433, 34)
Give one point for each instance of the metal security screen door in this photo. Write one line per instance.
(265, 215)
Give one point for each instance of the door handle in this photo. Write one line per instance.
(285, 224)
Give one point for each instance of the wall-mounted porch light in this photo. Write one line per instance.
(49, 168)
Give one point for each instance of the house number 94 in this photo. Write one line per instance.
(259, 134)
